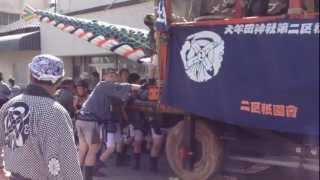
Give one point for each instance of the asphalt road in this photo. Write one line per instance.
(127, 173)
(272, 173)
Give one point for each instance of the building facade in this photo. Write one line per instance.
(19, 40)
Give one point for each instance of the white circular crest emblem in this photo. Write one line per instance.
(54, 166)
(202, 55)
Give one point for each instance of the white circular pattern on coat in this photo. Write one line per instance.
(54, 166)
(202, 55)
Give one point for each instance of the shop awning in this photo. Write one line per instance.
(23, 41)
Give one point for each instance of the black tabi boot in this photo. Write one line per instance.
(137, 157)
(154, 164)
(119, 159)
(99, 165)
(125, 155)
(88, 172)
(82, 169)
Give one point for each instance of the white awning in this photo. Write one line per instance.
(23, 41)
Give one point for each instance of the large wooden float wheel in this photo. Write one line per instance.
(208, 155)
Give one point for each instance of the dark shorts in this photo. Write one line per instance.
(137, 120)
(148, 125)
(154, 125)
(112, 134)
(111, 126)
(156, 130)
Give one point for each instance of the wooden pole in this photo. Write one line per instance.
(310, 5)
(239, 9)
(189, 142)
(168, 4)
(295, 7)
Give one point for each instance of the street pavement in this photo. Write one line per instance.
(127, 173)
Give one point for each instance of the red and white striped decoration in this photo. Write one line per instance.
(79, 32)
(124, 50)
(45, 19)
(110, 43)
(52, 22)
(98, 40)
(68, 28)
(60, 26)
(136, 54)
(86, 36)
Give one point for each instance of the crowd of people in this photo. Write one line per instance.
(221, 9)
(57, 128)
(8, 90)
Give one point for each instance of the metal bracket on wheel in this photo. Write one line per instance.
(189, 142)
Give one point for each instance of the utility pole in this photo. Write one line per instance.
(55, 6)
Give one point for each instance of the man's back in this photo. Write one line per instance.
(36, 132)
(99, 101)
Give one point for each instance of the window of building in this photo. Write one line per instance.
(99, 64)
(8, 18)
